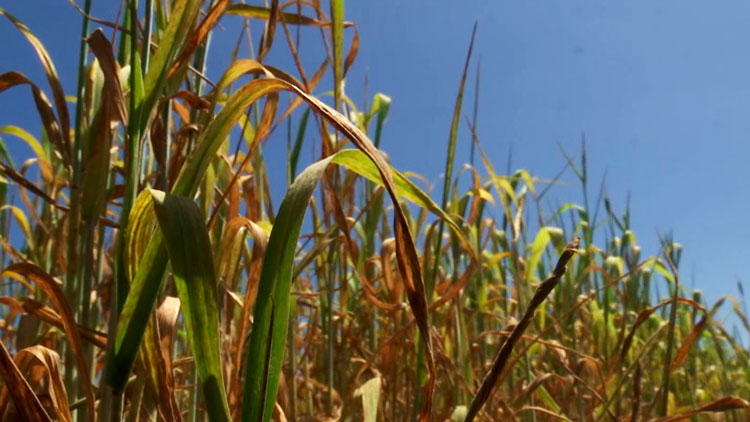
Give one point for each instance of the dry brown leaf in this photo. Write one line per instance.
(55, 294)
(27, 404)
(721, 405)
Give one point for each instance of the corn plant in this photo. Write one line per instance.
(148, 276)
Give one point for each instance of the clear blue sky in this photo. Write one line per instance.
(661, 90)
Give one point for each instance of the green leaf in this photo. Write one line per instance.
(563, 208)
(527, 179)
(182, 19)
(381, 104)
(147, 282)
(266, 349)
(548, 399)
(337, 33)
(661, 269)
(538, 246)
(30, 140)
(294, 155)
(209, 140)
(139, 304)
(265, 353)
(186, 238)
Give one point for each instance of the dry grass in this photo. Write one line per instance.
(147, 275)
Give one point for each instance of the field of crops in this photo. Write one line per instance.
(147, 275)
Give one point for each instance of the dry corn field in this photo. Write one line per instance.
(147, 274)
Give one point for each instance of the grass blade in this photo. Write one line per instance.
(264, 13)
(54, 82)
(265, 353)
(266, 349)
(39, 356)
(337, 33)
(544, 289)
(27, 403)
(448, 180)
(294, 154)
(370, 393)
(189, 249)
(43, 106)
(52, 290)
(199, 35)
(721, 405)
(147, 282)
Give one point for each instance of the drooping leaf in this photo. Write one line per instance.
(39, 356)
(54, 82)
(720, 405)
(54, 292)
(266, 348)
(27, 403)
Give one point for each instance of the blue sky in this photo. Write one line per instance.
(661, 90)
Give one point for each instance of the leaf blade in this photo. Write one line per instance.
(189, 249)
